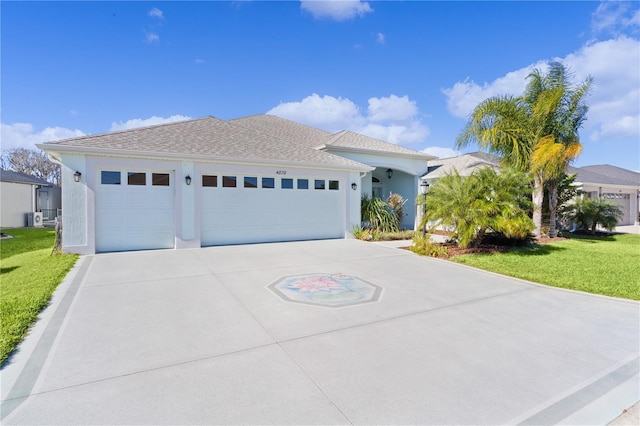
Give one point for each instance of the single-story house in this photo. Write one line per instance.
(464, 165)
(23, 194)
(206, 182)
(620, 186)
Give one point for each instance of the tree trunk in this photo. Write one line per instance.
(537, 197)
(552, 186)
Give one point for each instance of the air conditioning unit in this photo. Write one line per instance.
(34, 219)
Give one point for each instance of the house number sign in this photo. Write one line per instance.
(281, 172)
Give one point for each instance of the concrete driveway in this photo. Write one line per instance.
(204, 336)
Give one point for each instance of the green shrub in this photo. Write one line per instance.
(483, 202)
(378, 215)
(588, 213)
(425, 247)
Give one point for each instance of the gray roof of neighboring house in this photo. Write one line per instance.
(16, 177)
(614, 176)
(206, 137)
(614, 172)
(464, 164)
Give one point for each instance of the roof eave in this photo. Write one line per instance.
(416, 156)
(52, 150)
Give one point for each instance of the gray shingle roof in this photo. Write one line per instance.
(207, 137)
(614, 172)
(284, 129)
(11, 176)
(348, 139)
(587, 175)
(464, 164)
(290, 130)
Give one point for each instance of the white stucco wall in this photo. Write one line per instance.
(16, 200)
(74, 204)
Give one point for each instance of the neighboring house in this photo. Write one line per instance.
(464, 165)
(615, 184)
(618, 185)
(210, 182)
(22, 194)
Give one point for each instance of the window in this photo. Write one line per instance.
(250, 182)
(160, 179)
(303, 183)
(109, 178)
(210, 181)
(334, 185)
(268, 183)
(319, 184)
(136, 178)
(229, 181)
(286, 184)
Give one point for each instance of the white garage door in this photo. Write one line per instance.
(134, 210)
(239, 209)
(624, 201)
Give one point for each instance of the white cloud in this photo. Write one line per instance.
(339, 10)
(152, 37)
(615, 66)
(391, 108)
(380, 38)
(151, 121)
(615, 16)
(441, 152)
(393, 119)
(200, 61)
(156, 13)
(24, 135)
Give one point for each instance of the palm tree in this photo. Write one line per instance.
(536, 132)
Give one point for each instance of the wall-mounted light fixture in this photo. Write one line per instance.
(187, 179)
(76, 176)
(354, 186)
(389, 173)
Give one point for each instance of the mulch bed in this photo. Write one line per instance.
(453, 250)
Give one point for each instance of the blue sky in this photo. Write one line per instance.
(406, 72)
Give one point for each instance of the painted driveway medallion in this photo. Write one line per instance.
(332, 290)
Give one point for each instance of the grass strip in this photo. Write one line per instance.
(29, 274)
(602, 265)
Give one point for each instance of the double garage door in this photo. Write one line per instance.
(238, 209)
(135, 210)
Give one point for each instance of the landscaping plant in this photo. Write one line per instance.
(378, 214)
(588, 213)
(483, 202)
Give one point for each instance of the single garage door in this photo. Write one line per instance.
(238, 209)
(624, 202)
(134, 210)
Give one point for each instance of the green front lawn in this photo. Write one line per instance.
(602, 265)
(29, 274)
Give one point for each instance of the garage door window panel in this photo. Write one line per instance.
(109, 177)
(160, 179)
(136, 178)
(303, 183)
(250, 182)
(334, 185)
(319, 184)
(286, 184)
(210, 181)
(229, 181)
(268, 183)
